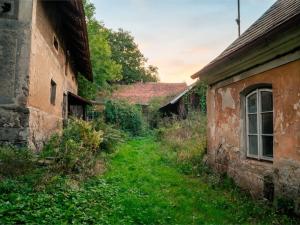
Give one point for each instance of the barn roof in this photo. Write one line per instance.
(279, 14)
(75, 31)
(143, 93)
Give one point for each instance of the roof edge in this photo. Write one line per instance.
(269, 46)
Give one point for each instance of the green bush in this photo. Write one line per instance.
(75, 150)
(125, 116)
(185, 141)
(152, 114)
(15, 161)
(111, 136)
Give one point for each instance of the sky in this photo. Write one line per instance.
(180, 36)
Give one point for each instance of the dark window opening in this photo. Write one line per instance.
(55, 43)
(9, 9)
(5, 7)
(67, 63)
(53, 92)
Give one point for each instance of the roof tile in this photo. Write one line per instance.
(143, 93)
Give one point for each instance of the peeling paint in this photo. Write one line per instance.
(297, 106)
(227, 99)
(226, 149)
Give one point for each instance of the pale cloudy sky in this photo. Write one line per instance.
(180, 36)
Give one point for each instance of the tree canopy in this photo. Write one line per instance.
(127, 53)
(115, 57)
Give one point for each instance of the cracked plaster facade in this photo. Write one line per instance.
(29, 61)
(227, 139)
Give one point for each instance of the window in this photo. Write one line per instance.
(8, 9)
(67, 63)
(53, 92)
(5, 7)
(259, 125)
(55, 43)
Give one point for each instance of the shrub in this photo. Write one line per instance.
(111, 136)
(125, 116)
(152, 114)
(185, 140)
(15, 161)
(75, 150)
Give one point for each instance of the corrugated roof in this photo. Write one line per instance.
(279, 13)
(143, 93)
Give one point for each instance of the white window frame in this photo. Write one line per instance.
(259, 156)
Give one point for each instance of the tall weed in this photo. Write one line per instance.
(15, 161)
(185, 140)
(75, 150)
(124, 116)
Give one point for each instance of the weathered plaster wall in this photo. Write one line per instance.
(226, 137)
(47, 63)
(15, 38)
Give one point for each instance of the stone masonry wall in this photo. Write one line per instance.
(15, 38)
(226, 137)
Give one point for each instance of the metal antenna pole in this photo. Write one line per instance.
(238, 20)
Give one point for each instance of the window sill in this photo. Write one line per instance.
(260, 161)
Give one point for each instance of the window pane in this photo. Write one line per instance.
(267, 146)
(266, 101)
(252, 106)
(252, 123)
(253, 145)
(267, 123)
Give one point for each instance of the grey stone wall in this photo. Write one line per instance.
(15, 39)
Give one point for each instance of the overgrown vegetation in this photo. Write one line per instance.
(75, 150)
(185, 140)
(15, 161)
(140, 187)
(111, 135)
(124, 116)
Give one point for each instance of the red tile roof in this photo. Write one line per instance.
(143, 93)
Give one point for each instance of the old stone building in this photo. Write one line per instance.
(43, 47)
(254, 106)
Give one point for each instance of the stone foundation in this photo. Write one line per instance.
(42, 126)
(14, 123)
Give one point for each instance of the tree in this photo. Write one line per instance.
(126, 53)
(105, 69)
(115, 58)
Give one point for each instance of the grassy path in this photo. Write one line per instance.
(140, 187)
(151, 192)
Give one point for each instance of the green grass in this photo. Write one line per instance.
(140, 187)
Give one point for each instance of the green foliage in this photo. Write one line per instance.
(126, 53)
(105, 69)
(86, 88)
(15, 161)
(201, 91)
(185, 140)
(285, 205)
(152, 114)
(125, 116)
(115, 57)
(111, 137)
(76, 149)
(139, 188)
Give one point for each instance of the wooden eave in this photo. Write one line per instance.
(74, 30)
